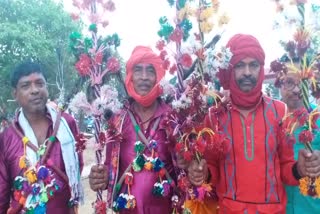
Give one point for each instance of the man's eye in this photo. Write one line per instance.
(151, 70)
(289, 83)
(40, 84)
(254, 65)
(240, 65)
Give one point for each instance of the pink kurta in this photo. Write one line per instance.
(144, 180)
(11, 149)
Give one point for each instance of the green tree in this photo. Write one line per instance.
(36, 29)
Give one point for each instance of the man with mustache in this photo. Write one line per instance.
(291, 94)
(249, 177)
(39, 167)
(138, 168)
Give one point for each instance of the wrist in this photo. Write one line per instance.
(208, 177)
(295, 171)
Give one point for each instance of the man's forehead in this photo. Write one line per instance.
(141, 65)
(32, 77)
(292, 76)
(248, 60)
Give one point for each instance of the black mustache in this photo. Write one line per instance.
(245, 79)
(298, 94)
(144, 85)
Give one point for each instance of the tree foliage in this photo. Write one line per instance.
(36, 29)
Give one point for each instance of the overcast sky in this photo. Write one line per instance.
(136, 22)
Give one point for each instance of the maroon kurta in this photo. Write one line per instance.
(144, 180)
(11, 149)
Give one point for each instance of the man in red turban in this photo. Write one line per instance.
(144, 55)
(249, 177)
(137, 169)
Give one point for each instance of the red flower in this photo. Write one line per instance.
(200, 146)
(187, 155)
(75, 16)
(200, 53)
(102, 137)
(17, 195)
(162, 172)
(160, 45)
(314, 121)
(163, 54)
(129, 179)
(305, 136)
(276, 66)
(110, 6)
(83, 65)
(113, 64)
(173, 69)
(186, 60)
(80, 143)
(98, 58)
(166, 64)
(177, 35)
(100, 207)
(179, 147)
(183, 182)
(197, 36)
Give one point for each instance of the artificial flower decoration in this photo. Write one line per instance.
(96, 57)
(193, 63)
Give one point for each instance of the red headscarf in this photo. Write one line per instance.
(142, 54)
(243, 46)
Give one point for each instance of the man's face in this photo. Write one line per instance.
(144, 78)
(31, 93)
(290, 91)
(246, 73)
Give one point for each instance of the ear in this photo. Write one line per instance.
(14, 93)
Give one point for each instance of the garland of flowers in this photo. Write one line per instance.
(96, 58)
(304, 59)
(191, 99)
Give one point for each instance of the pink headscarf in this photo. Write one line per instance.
(142, 54)
(243, 46)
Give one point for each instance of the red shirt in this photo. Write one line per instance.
(249, 179)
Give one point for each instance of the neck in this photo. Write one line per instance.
(292, 109)
(141, 109)
(35, 117)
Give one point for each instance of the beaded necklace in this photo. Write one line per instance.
(36, 185)
(151, 163)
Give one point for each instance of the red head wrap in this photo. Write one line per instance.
(142, 54)
(243, 46)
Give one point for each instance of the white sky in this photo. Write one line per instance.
(136, 22)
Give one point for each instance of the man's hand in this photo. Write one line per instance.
(198, 172)
(181, 162)
(98, 177)
(309, 163)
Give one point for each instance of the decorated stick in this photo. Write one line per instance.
(301, 10)
(180, 69)
(305, 94)
(97, 129)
